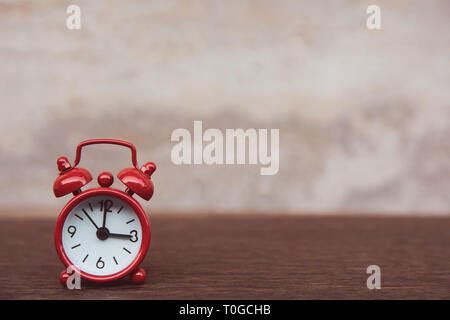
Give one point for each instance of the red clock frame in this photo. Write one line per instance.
(145, 225)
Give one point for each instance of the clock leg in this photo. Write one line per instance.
(138, 276)
(63, 276)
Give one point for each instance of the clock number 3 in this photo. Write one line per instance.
(100, 263)
(135, 237)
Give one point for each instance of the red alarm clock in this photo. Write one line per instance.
(103, 232)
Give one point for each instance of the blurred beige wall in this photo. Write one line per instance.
(364, 116)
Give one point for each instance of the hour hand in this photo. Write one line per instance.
(120, 236)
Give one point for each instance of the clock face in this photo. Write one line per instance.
(102, 235)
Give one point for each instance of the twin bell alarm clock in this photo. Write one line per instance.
(103, 233)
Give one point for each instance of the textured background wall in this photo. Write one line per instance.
(364, 116)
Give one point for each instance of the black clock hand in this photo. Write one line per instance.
(118, 235)
(90, 219)
(105, 206)
(104, 218)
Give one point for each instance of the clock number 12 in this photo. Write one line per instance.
(106, 205)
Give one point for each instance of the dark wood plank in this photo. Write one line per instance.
(249, 257)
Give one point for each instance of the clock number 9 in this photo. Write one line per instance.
(100, 263)
(135, 238)
(72, 230)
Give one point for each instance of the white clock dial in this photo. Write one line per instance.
(102, 250)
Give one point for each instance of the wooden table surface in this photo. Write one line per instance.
(249, 257)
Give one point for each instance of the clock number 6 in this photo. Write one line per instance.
(72, 230)
(135, 238)
(100, 263)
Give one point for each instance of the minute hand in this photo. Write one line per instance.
(90, 219)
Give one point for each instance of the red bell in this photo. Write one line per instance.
(138, 181)
(70, 180)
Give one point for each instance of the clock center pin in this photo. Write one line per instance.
(102, 233)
